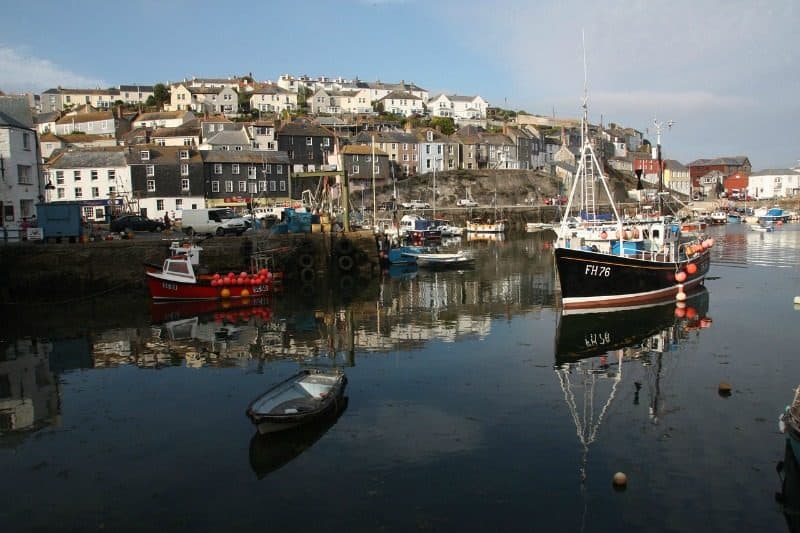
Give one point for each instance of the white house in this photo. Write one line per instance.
(774, 183)
(338, 102)
(402, 103)
(458, 107)
(92, 176)
(204, 99)
(162, 119)
(98, 123)
(20, 186)
(271, 98)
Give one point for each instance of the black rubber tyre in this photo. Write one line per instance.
(345, 263)
(307, 275)
(305, 260)
(344, 247)
(346, 283)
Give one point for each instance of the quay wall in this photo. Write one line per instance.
(35, 270)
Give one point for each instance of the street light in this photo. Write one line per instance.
(47, 188)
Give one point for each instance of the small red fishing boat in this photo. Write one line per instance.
(179, 279)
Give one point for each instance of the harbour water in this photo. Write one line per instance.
(472, 404)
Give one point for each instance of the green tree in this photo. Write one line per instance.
(445, 124)
(160, 95)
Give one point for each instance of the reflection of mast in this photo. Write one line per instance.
(586, 425)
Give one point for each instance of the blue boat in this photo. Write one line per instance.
(773, 214)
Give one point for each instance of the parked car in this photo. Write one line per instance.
(135, 223)
(467, 202)
(416, 204)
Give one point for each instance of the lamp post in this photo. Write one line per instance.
(47, 188)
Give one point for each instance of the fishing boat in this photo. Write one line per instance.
(719, 217)
(419, 230)
(773, 215)
(764, 227)
(605, 261)
(304, 397)
(486, 225)
(734, 217)
(431, 258)
(181, 278)
(789, 468)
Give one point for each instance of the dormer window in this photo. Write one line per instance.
(144, 155)
(184, 154)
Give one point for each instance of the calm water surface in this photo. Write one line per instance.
(472, 405)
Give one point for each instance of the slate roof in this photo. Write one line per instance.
(400, 95)
(270, 89)
(730, 161)
(229, 137)
(7, 120)
(245, 156)
(43, 118)
(776, 172)
(136, 88)
(361, 149)
(305, 129)
(160, 115)
(82, 118)
(89, 158)
(61, 90)
(187, 128)
(161, 155)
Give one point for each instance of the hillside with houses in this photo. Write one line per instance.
(238, 142)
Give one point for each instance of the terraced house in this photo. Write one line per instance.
(236, 179)
(307, 145)
(165, 179)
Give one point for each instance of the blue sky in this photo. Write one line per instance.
(726, 71)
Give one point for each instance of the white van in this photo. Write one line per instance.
(217, 221)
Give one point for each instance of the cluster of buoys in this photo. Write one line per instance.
(699, 247)
(243, 315)
(262, 277)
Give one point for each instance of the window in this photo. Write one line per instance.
(310, 156)
(178, 203)
(78, 192)
(283, 185)
(235, 168)
(151, 185)
(76, 175)
(112, 174)
(187, 141)
(279, 169)
(95, 192)
(112, 190)
(159, 205)
(355, 169)
(270, 146)
(228, 186)
(150, 170)
(309, 141)
(272, 185)
(95, 174)
(355, 158)
(268, 169)
(262, 186)
(376, 168)
(161, 142)
(144, 155)
(24, 175)
(251, 172)
(185, 185)
(253, 187)
(290, 153)
(326, 141)
(217, 168)
(184, 169)
(242, 186)
(214, 186)
(405, 157)
(184, 154)
(26, 141)
(59, 177)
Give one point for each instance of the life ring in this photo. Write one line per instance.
(344, 247)
(307, 275)
(305, 260)
(345, 263)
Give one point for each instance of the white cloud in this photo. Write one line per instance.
(23, 72)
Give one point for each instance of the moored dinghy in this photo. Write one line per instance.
(302, 398)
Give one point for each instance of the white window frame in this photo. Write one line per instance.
(185, 186)
(235, 168)
(217, 168)
(228, 185)
(144, 155)
(184, 169)
(214, 186)
(242, 186)
(184, 154)
(151, 185)
(150, 170)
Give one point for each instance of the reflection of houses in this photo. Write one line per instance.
(29, 395)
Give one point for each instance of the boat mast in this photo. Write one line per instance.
(658, 126)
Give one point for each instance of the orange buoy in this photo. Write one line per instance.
(681, 296)
(680, 312)
(691, 313)
(691, 268)
(225, 293)
(245, 293)
(711, 242)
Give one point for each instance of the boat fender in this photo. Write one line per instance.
(307, 275)
(306, 260)
(603, 235)
(345, 263)
(344, 247)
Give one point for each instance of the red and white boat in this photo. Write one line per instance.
(179, 279)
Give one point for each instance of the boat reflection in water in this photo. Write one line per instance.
(593, 351)
(270, 451)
